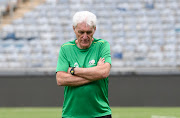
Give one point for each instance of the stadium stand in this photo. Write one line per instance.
(7, 5)
(144, 35)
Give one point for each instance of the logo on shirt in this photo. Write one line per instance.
(92, 62)
(76, 65)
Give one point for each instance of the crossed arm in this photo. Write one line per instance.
(84, 75)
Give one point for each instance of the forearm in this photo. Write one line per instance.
(94, 73)
(66, 79)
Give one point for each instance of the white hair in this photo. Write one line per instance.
(84, 16)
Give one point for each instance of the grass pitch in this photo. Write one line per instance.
(117, 112)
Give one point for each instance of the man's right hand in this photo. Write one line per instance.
(101, 62)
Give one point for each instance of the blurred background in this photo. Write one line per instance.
(145, 46)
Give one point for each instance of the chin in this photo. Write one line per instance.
(85, 46)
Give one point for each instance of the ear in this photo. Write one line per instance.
(74, 28)
(94, 28)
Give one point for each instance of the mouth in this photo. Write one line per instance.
(85, 41)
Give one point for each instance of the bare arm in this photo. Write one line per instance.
(98, 72)
(66, 79)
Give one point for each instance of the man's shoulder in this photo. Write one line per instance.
(68, 44)
(100, 41)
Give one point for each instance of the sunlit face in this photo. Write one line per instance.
(84, 34)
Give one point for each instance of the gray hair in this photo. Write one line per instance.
(84, 16)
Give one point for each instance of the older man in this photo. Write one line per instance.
(83, 68)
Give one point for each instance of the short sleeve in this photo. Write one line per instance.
(105, 52)
(62, 64)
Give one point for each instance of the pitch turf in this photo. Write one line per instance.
(117, 112)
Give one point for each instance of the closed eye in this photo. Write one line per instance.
(81, 32)
(89, 32)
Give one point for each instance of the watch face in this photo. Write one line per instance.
(72, 71)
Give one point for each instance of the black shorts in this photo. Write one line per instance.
(108, 116)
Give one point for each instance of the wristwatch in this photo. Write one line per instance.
(72, 71)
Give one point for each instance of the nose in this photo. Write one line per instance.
(85, 35)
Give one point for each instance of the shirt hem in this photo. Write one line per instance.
(93, 116)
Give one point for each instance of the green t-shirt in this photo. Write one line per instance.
(90, 100)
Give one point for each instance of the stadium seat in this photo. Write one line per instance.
(141, 33)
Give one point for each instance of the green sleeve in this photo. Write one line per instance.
(105, 52)
(62, 64)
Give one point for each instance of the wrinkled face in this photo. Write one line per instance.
(84, 34)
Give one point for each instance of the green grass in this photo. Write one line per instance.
(117, 112)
